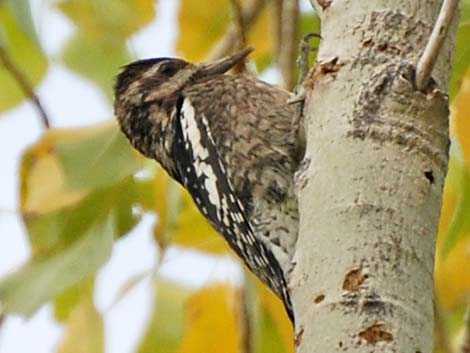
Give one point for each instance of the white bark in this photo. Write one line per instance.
(371, 183)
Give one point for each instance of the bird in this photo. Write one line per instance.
(233, 141)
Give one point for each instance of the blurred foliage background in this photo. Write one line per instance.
(82, 189)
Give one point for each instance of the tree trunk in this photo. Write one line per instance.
(371, 182)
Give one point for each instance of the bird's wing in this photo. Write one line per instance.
(202, 172)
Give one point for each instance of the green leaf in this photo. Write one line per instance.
(56, 214)
(165, 330)
(39, 281)
(462, 57)
(458, 175)
(267, 338)
(53, 232)
(271, 328)
(23, 51)
(98, 159)
(98, 62)
(21, 9)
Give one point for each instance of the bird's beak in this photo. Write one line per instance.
(223, 65)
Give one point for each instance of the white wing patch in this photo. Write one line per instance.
(192, 136)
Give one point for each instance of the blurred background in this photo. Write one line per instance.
(99, 250)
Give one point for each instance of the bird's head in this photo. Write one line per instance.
(147, 92)
(159, 79)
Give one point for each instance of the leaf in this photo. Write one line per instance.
(460, 224)
(55, 215)
(58, 219)
(42, 279)
(180, 222)
(458, 178)
(272, 329)
(213, 321)
(192, 230)
(69, 299)
(165, 330)
(462, 57)
(98, 158)
(53, 232)
(21, 9)
(262, 42)
(460, 123)
(98, 62)
(199, 28)
(167, 202)
(108, 21)
(452, 275)
(44, 186)
(23, 50)
(85, 329)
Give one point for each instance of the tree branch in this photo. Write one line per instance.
(25, 85)
(241, 33)
(289, 41)
(250, 13)
(368, 210)
(430, 54)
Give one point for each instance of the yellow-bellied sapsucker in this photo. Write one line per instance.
(230, 141)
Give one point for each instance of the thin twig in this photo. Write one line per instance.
(430, 54)
(239, 23)
(289, 40)
(250, 13)
(2, 318)
(245, 320)
(305, 49)
(466, 340)
(25, 85)
(276, 6)
(241, 33)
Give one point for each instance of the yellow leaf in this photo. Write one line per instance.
(460, 118)
(261, 37)
(193, 231)
(66, 301)
(274, 306)
(213, 321)
(85, 330)
(201, 24)
(452, 276)
(44, 186)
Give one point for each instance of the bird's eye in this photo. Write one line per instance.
(168, 68)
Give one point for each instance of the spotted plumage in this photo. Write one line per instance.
(229, 140)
